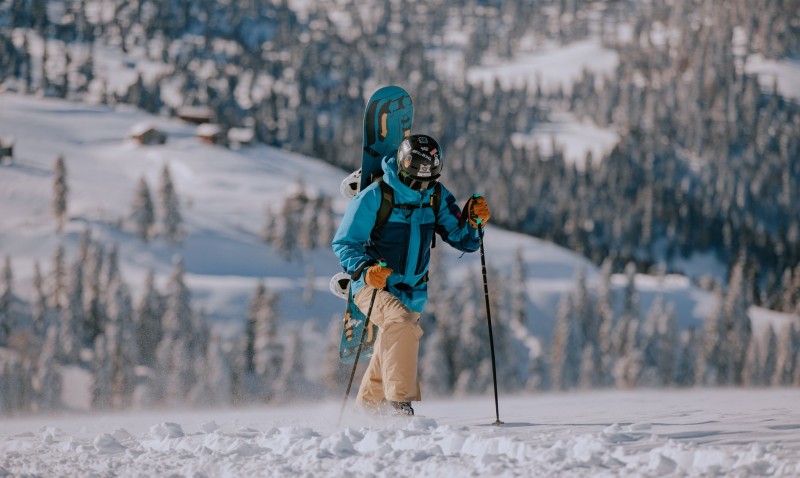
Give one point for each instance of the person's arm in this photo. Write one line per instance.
(453, 228)
(354, 231)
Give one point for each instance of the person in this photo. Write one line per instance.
(403, 243)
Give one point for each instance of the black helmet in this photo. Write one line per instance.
(419, 161)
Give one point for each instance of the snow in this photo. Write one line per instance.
(549, 67)
(573, 137)
(785, 74)
(721, 432)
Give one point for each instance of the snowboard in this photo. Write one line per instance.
(387, 121)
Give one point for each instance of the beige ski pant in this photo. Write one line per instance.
(392, 370)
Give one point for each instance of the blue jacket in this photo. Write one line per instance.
(404, 241)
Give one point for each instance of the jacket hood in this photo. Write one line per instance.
(402, 193)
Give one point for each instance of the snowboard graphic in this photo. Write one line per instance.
(354, 321)
(387, 120)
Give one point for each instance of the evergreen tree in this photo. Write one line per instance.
(148, 321)
(143, 211)
(770, 351)
(47, 382)
(121, 345)
(268, 356)
(59, 279)
(72, 317)
(785, 357)
(171, 219)
(60, 191)
(738, 329)
(686, 366)
(42, 318)
(566, 351)
(96, 316)
(334, 374)
(8, 315)
(291, 382)
(436, 371)
(103, 375)
(752, 373)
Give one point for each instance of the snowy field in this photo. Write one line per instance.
(720, 432)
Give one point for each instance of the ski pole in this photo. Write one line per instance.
(358, 354)
(489, 319)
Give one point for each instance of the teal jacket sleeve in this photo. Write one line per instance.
(454, 229)
(354, 232)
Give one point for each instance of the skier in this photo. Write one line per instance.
(403, 243)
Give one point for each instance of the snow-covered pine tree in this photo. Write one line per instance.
(182, 375)
(519, 290)
(326, 220)
(214, 385)
(291, 383)
(59, 280)
(174, 375)
(8, 314)
(96, 316)
(752, 373)
(565, 350)
(626, 334)
(42, 317)
(122, 348)
(72, 317)
(738, 329)
(102, 376)
(473, 339)
(171, 219)
(770, 357)
(143, 210)
(436, 370)
(47, 381)
(712, 357)
(539, 370)
(605, 311)
(334, 374)
(148, 321)
(787, 350)
(111, 273)
(268, 355)
(60, 191)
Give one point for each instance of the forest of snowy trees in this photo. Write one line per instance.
(157, 349)
(707, 162)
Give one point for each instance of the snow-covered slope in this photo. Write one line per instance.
(224, 195)
(733, 433)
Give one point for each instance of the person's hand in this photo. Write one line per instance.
(478, 212)
(376, 275)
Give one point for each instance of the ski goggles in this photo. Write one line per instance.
(418, 184)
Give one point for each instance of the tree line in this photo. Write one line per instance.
(158, 349)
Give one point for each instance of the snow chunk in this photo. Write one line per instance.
(106, 444)
(166, 430)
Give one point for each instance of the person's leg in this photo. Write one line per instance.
(393, 367)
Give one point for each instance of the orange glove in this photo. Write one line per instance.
(477, 208)
(376, 275)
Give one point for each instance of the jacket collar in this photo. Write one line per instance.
(402, 193)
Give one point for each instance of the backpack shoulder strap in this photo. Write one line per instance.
(387, 203)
